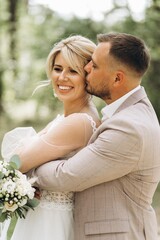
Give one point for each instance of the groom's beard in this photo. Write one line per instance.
(101, 92)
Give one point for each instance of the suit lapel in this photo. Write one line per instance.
(132, 99)
(137, 96)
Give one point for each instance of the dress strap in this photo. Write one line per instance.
(93, 123)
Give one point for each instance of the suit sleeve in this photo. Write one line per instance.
(114, 153)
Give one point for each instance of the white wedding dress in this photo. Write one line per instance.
(53, 218)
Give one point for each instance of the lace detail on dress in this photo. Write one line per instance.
(93, 123)
(57, 200)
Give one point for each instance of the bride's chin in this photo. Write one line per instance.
(63, 98)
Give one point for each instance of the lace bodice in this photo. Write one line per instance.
(58, 200)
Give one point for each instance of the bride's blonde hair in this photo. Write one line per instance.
(76, 50)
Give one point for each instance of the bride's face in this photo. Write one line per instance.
(67, 83)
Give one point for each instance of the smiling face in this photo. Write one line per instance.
(68, 84)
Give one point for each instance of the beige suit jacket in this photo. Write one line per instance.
(115, 176)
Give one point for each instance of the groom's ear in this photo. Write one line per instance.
(119, 79)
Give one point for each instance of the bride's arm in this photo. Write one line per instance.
(44, 130)
(72, 133)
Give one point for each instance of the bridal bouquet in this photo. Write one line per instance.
(16, 191)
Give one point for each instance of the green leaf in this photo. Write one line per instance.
(21, 212)
(12, 166)
(1, 175)
(3, 217)
(33, 202)
(1, 207)
(15, 161)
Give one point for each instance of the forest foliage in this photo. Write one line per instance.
(28, 32)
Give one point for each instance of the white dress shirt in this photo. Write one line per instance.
(109, 110)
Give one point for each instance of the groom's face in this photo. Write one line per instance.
(100, 73)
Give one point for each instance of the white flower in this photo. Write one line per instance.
(10, 207)
(8, 186)
(32, 180)
(20, 175)
(5, 164)
(22, 202)
(30, 193)
(15, 190)
(4, 171)
(23, 187)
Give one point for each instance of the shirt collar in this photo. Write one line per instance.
(109, 110)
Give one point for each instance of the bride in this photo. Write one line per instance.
(61, 138)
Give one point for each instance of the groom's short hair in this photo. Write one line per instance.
(128, 49)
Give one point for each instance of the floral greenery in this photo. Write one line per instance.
(16, 191)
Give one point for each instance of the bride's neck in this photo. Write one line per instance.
(76, 108)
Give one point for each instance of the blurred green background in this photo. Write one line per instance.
(27, 34)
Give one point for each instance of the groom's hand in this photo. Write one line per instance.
(37, 193)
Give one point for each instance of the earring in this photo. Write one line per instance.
(54, 94)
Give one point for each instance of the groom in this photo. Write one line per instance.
(116, 175)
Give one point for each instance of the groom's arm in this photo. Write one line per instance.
(112, 155)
